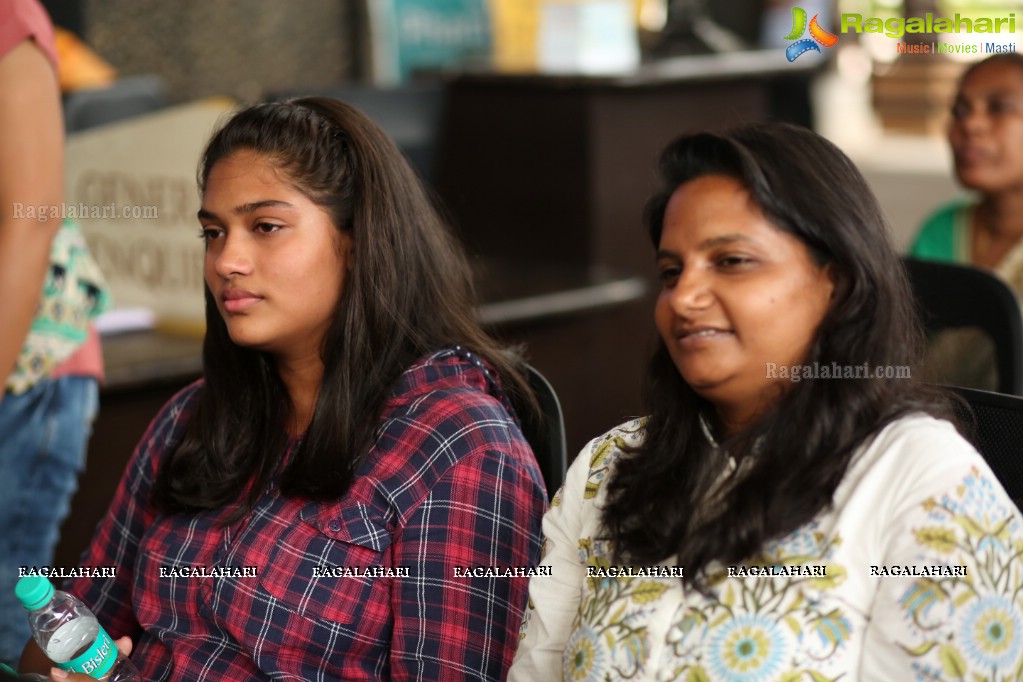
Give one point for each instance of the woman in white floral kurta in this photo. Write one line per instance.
(909, 570)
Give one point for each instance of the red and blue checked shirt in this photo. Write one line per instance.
(450, 483)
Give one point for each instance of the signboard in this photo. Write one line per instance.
(131, 186)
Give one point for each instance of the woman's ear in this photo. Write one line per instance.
(829, 272)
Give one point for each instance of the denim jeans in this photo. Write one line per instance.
(43, 437)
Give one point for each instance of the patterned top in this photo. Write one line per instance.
(74, 294)
(367, 587)
(914, 574)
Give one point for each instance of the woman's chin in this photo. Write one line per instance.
(246, 340)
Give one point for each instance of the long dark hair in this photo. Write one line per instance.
(800, 449)
(408, 293)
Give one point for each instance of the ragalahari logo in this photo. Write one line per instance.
(817, 35)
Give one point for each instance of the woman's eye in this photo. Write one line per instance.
(266, 228)
(733, 261)
(670, 275)
(960, 110)
(209, 233)
(1001, 106)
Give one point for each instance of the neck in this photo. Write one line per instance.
(1001, 215)
(302, 378)
(731, 419)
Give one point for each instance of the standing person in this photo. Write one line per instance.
(828, 523)
(986, 136)
(51, 289)
(351, 445)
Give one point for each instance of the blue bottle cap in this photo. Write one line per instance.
(33, 591)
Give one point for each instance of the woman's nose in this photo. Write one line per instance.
(972, 119)
(691, 291)
(231, 255)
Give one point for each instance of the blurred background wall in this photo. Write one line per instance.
(237, 48)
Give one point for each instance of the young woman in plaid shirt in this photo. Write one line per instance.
(300, 513)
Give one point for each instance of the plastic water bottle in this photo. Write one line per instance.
(68, 632)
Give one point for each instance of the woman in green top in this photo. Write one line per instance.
(986, 136)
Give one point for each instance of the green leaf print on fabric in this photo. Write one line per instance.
(969, 627)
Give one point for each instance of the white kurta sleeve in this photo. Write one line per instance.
(554, 597)
(949, 602)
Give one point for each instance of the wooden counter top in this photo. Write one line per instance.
(515, 295)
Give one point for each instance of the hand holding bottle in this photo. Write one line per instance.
(124, 645)
(70, 636)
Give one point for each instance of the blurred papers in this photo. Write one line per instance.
(121, 320)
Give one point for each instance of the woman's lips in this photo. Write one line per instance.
(972, 155)
(238, 301)
(699, 338)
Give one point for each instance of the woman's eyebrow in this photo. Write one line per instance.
(249, 207)
(709, 243)
(723, 239)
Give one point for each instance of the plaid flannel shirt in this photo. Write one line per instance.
(450, 483)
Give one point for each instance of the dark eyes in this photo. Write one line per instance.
(960, 110)
(669, 274)
(1002, 106)
(732, 261)
(993, 107)
(210, 233)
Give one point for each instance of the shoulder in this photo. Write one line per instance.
(918, 432)
(917, 440)
(449, 384)
(597, 461)
(914, 461)
(936, 238)
(447, 410)
(168, 426)
(183, 402)
(918, 445)
(24, 19)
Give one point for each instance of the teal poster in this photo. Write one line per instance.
(427, 34)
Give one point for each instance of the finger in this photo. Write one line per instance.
(124, 645)
(59, 675)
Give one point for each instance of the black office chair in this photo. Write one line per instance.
(546, 434)
(951, 295)
(411, 114)
(124, 98)
(994, 424)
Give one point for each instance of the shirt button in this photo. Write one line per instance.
(334, 525)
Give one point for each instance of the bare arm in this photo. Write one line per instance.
(31, 175)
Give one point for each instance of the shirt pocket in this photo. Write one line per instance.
(310, 571)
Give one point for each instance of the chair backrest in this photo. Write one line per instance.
(995, 425)
(547, 435)
(125, 98)
(411, 114)
(952, 295)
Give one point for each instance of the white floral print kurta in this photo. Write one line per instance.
(915, 573)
